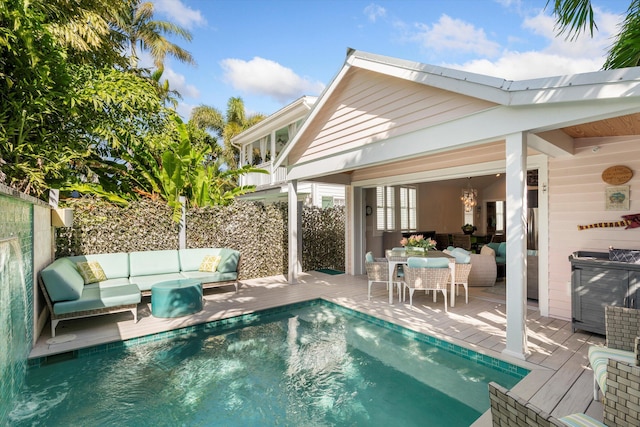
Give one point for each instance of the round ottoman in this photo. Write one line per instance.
(176, 298)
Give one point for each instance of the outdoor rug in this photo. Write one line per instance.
(329, 271)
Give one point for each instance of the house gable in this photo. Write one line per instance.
(367, 106)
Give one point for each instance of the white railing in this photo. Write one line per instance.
(264, 180)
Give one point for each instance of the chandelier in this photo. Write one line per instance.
(469, 197)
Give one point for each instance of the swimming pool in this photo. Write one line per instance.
(314, 364)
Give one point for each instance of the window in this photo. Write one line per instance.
(407, 208)
(387, 214)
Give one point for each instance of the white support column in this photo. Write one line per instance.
(293, 232)
(272, 149)
(250, 154)
(516, 265)
(263, 146)
(355, 230)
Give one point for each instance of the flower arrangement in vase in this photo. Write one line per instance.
(416, 244)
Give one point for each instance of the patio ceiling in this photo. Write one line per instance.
(617, 126)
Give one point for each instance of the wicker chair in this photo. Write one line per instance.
(622, 326)
(620, 405)
(378, 272)
(463, 269)
(462, 241)
(428, 274)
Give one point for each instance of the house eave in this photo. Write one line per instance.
(281, 118)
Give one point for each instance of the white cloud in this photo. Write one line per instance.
(179, 83)
(558, 57)
(184, 110)
(529, 65)
(265, 77)
(454, 35)
(374, 11)
(180, 13)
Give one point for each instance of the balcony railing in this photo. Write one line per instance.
(261, 180)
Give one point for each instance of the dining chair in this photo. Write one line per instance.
(442, 241)
(378, 272)
(428, 274)
(462, 241)
(463, 269)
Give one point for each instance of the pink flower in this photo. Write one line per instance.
(404, 241)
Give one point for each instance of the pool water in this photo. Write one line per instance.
(314, 365)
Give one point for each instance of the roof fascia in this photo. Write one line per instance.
(281, 118)
(595, 85)
(475, 85)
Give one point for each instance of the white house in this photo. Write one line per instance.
(261, 144)
(385, 124)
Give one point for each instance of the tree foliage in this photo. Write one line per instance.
(34, 99)
(226, 126)
(77, 114)
(573, 17)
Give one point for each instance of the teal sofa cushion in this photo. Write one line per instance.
(115, 266)
(190, 259)
(95, 298)
(145, 283)
(109, 283)
(229, 261)
(207, 277)
(62, 280)
(500, 250)
(144, 263)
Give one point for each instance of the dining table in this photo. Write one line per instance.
(397, 257)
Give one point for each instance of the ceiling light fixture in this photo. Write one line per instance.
(469, 197)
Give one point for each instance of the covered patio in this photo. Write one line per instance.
(385, 123)
(560, 381)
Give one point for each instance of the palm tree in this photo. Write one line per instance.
(226, 127)
(84, 29)
(574, 17)
(145, 33)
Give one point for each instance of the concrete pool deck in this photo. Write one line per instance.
(560, 381)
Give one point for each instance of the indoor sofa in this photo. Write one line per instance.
(89, 285)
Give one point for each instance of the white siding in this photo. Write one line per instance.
(369, 107)
(577, 197)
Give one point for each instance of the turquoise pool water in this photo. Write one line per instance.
(311, 365)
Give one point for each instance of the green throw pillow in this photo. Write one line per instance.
(210, 263)
(91, 271)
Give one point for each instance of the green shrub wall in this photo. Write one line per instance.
(257, 230)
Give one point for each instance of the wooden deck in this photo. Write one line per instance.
(560, 381)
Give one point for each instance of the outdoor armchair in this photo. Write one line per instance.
(622, 326)
(378, 272)
(428, 274)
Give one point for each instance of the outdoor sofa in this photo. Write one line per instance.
(116, 281)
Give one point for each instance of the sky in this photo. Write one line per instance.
(272, 52)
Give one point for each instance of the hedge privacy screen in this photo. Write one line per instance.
(257, 230)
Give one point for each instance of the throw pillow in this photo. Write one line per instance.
(91, 271)
(210, 263)
(486, 250)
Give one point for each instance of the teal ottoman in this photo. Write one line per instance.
(176, 298)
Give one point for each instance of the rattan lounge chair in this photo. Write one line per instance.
(622, 326)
